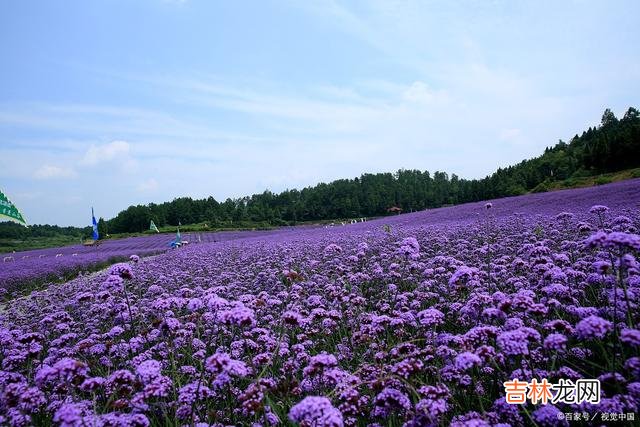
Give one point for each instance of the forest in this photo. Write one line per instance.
(613, 145)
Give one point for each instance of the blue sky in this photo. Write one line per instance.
(112, 103)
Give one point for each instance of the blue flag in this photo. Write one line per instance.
(177, 241)
(96, 236)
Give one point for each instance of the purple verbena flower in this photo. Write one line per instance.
(593, 327)
(467, 360)
(317, 412)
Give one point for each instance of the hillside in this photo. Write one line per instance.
(613, 146)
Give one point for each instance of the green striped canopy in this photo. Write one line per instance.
(9, 212)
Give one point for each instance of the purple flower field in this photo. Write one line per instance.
(411, 320)
(55, 264)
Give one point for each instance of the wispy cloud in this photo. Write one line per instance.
(112, 151)
(54, 172)
(421, 119)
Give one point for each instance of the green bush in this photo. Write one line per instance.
(601, 180)
(543, 187)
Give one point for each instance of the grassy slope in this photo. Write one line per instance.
(591, 181)
(8, 245)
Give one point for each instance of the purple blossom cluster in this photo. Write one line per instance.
(415, 320)
(57, 264)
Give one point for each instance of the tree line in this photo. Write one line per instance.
(11, 230)
(612, 146)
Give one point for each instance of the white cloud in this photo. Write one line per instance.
(116, 153)
(106, 153)
(420, 93)
(148, 186)
(54, 172)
